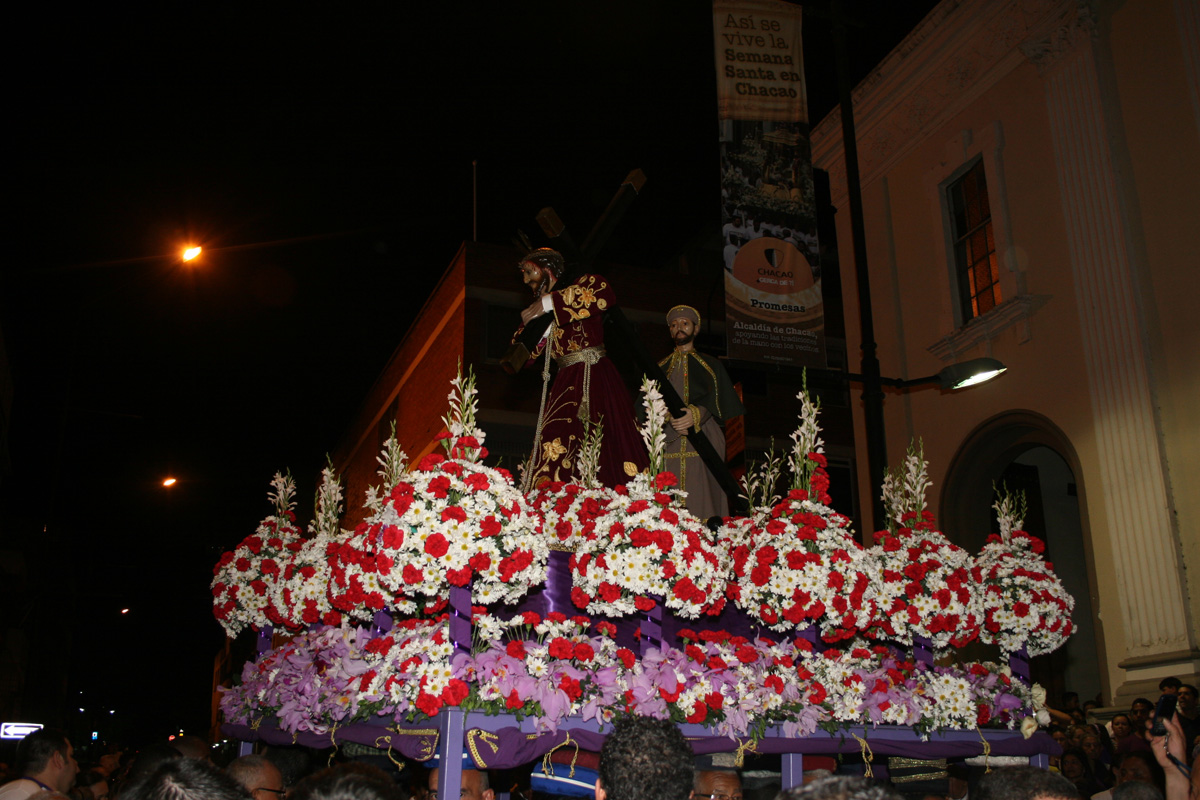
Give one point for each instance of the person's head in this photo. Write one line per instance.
(1139, 714)
(190, 746)
(1092, 745)
(1075, 766)
(261, 778)
(541, 268)
(1136, 790)
(1186, 698)
(1024, 783)
(1139, 765)
(475, 785)
(47, 755)
(1075, 734)
(683, 322)
(1169, 685)
(185, 779)
(839, 787)
(149, 758)
(352, 781)
(645, 759)
(1070, 700)
(1121, 726)
(292, 763)
(1059, 735)
(717, 784)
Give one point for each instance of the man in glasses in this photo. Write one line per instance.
(717, 778)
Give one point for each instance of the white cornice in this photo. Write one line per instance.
(959, 51)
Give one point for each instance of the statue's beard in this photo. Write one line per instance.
(682, 338)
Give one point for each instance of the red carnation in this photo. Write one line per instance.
(436, 545)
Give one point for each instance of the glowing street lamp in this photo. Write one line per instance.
(169, 482)
(190, 253)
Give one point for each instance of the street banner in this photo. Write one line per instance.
(774, 310)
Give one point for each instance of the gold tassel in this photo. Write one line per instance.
(547, 767)
(987, 751)
(392, 758)
(866, 754)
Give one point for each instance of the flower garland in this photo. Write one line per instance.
(1021, 601)
(553, 669)
(243, 578)
(924, 588)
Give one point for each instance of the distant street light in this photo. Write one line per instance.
(191, 253)
(169, 482)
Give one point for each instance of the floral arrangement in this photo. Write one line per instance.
(645, 543)
(925, 586)
(243, 578)
(450, 521)
(1021, 602)
(802, 565)
(302, 592)
(553, 669)
(570, 510)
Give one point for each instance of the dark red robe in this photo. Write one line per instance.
(579, 324)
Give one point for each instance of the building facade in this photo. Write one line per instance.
(1030, 172)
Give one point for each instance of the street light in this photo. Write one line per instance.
(190, 253)
(956, 376)
(169, 482)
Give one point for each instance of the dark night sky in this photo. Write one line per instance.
(324, 161)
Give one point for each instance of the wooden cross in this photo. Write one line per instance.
(578, 258)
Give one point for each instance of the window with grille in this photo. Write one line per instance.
(975, 264)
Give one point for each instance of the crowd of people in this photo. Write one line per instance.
(183, 769)
(1098, 757)
(643, 759)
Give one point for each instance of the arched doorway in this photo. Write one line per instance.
(1026, 451)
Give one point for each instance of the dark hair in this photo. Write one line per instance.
(548, 259)
(1024, 783)
(1136, 790)
(1170, 682)
(1088, 784)
(148, 759)
(839, 787)
(186, 779)
(1157, 776)
(646, 759)
(35, 750)
(1141, 701)
(292, 763)
(192, 746)
(1189, 686)
(351, 781)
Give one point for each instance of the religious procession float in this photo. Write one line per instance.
(464, 614)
